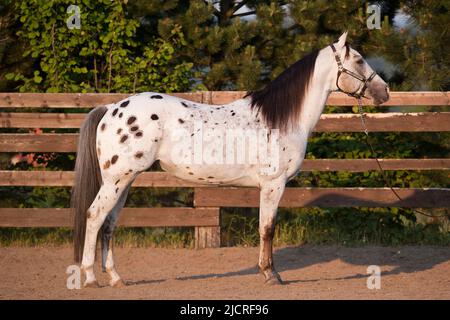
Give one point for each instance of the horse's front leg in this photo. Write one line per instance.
(269, 198)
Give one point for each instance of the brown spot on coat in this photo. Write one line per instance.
(134, 128)
(154, 117)
(139, 155)
(123, 138)
(131, 120)
(124, 104)
(139, 134)
(119, 130)
(114, 158)
(103, 126)
(181, 121)
(115, 112)
(106, 165)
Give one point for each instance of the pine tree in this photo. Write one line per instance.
(241, 45)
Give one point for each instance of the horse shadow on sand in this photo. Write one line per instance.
(400, 259)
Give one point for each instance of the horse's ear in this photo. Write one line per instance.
(342, 40)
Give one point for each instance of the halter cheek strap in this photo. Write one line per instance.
(341, 69)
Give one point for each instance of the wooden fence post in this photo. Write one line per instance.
(208, 236)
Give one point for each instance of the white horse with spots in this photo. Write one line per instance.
(119, 141)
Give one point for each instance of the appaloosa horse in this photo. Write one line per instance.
(120, 140)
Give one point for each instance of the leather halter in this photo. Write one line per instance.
(341, 69)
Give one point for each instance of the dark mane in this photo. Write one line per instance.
(347, 50)
(281, 100)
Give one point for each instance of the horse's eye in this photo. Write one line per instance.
(360, 61)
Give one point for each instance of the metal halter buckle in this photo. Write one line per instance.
(341, 69)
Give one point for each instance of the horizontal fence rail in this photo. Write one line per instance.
(205, 215)
(338, 122)
(91, 100)
(327, 197)
(130, 217)
(162, 179)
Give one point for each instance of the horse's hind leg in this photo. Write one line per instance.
(107, 240)
(105, 201)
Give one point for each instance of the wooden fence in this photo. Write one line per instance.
(205, 215)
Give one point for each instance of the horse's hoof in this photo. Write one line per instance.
(117, 284)
(274, 280)
(92, 284)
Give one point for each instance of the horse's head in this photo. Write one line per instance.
(354, 76)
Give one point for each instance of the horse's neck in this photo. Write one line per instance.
(317, 94)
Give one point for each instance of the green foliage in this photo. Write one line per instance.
(125, 237)
(155, 237)
(102, 56)
(35, 236)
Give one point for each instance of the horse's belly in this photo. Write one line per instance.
(211, 174)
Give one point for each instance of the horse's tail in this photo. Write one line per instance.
(87, 178)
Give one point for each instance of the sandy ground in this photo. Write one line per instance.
(309, 272)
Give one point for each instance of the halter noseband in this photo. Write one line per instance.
(341, 69)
